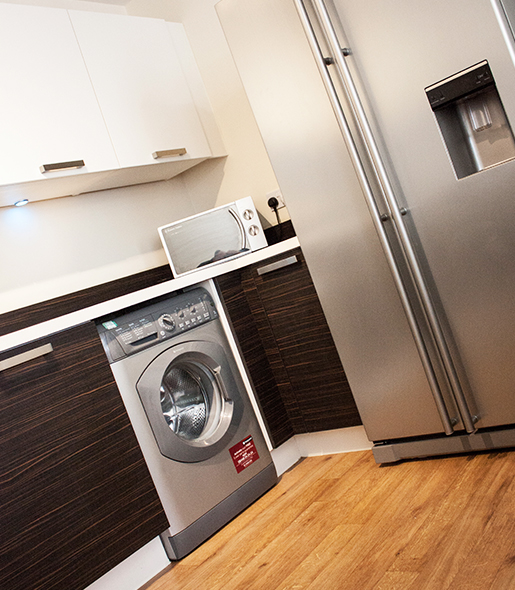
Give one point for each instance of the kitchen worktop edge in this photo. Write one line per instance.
(75, 318)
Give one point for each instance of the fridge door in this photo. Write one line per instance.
(461, 224)
(331, 218)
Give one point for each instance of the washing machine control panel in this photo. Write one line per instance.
(130, 332)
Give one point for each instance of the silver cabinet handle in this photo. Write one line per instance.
(25, 357)
(55, 167)
(277, 265)
(169, 153)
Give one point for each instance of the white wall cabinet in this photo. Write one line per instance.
(140, 86)
(107, 89)
(48, 109)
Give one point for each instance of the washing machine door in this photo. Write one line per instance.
(192, 400)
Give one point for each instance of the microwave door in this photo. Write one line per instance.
(204, 239)
(227, 237)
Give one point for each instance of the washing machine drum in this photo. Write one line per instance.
(192, 400)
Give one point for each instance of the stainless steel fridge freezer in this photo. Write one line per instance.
(389, 127)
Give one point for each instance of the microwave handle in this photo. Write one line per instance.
(242, 228)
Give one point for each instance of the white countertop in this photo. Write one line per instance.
(113, 305)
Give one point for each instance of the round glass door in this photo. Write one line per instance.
(191, 400)
(185, 402)
(194, 402)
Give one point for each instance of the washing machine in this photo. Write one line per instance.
(189, 405)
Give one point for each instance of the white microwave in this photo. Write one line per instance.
(212, 237)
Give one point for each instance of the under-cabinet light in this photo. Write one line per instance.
(21, 203)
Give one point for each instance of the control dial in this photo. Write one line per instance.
(166, 322)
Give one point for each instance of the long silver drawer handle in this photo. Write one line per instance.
(169, 153)
(25, 357)
(277, 265)
(55, 167)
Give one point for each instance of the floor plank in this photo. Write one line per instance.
(341, 521)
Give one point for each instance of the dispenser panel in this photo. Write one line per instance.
(472, 120)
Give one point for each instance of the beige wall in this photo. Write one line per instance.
(55, 247)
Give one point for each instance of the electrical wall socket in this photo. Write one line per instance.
(277, 194)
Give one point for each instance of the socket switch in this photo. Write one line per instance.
(277, 194)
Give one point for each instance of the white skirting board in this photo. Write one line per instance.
(151, 559)
(136, 570)
(328, 442)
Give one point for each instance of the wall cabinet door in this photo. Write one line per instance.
(140, 86)
(76, 495)
(48, 110)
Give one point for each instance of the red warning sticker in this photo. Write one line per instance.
(244, 454)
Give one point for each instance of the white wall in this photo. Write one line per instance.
(59, 246)
(55, 247)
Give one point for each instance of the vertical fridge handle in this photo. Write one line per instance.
(376, 218)
(389, 195)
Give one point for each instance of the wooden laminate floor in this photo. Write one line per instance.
(343, 522)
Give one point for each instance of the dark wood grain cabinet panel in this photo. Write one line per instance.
(305, 345)
(283, 308)
(233, 288)
(54, 308)
(76, 495)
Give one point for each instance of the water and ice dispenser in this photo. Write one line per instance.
(472, 120)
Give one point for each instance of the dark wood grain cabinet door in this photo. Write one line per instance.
(278, 300)
(75, 492)
(292, 310)
(235, 287)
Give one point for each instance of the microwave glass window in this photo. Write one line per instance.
(204, 239)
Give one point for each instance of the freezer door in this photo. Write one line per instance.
(461, 225)
(331, 218)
